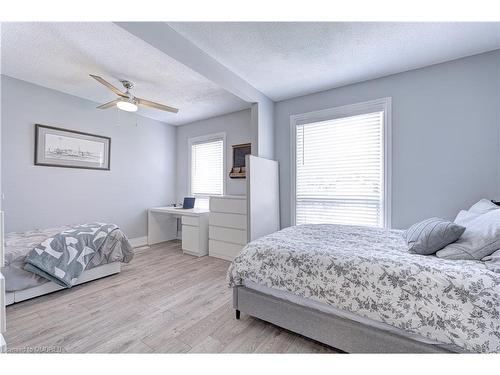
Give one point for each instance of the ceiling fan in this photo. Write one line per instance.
(128, 102)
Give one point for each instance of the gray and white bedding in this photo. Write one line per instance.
(63, 257)
(115, 248)
(369, 272)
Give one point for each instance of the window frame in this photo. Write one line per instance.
(377, 105)
(206, 139)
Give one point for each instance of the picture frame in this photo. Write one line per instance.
(239, 152)
(66, 148)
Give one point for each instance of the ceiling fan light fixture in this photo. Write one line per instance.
(126, 101)
(126, 105)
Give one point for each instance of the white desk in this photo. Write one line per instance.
(162, 226)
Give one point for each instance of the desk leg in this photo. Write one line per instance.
(161, 227)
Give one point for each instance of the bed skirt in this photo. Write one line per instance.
(337, 332)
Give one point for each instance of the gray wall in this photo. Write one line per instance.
(142, 163)
(446, 126)
(237, 127)
(1, 191)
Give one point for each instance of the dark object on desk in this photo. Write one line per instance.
(187, 204)
(239, 153)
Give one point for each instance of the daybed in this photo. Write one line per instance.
(21, 284)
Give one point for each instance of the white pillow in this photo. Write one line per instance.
(483, 206)
(481, 237)
(464, 218)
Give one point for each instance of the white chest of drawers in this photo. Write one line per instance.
(3, 345)
(227, 226)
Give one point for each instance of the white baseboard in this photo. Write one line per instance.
(139, 241)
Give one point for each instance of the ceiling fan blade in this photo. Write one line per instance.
(148, 103)
(108, 85)
(108, 104)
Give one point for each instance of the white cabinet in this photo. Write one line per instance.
(228, 220)
(227, 226)
(3, 345)
(231, 204)
(224, 250)
(195, 234)
(228, 235)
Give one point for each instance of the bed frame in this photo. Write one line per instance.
(86, 276)
(340, 333)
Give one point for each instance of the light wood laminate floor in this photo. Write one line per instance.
(163, 301)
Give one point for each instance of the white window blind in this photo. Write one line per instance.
(207, 168)
(340, 171)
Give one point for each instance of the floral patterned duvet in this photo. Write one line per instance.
(367, 271)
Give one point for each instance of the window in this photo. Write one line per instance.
(207, 167)
(342, 166)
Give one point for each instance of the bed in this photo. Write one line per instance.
(21, 285)
(359, 290)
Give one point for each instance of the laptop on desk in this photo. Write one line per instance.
(187, 204)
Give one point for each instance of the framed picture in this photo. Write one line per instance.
(239, 153)
(56, 147)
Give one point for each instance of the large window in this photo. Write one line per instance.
(207, 168)
(342, 165)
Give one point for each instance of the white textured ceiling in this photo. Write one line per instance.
(285, 60)
(60, 56)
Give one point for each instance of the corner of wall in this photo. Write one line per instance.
(262, 122)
